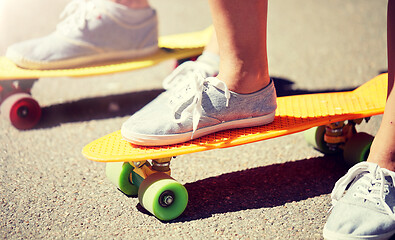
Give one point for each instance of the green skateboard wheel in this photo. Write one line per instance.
(357, 148)
(119, 174)
(162, 196)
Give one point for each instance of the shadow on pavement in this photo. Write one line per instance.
(262, 187)
(96, 108)
(127, 104)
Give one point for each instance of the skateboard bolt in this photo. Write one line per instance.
(23, 112)
(166, 198)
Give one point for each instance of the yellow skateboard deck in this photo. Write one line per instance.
(177, 46)
(294, 114)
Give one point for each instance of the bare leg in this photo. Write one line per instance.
(383, 147)
(241, 32)
(133, 3)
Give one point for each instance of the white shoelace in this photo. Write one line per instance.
(375, 187)
(77, 12)
(197, 84)
(182, 73)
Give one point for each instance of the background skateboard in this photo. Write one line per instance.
(18, 106)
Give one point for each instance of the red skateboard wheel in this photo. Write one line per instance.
(21, 110)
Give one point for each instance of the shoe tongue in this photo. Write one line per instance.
(378, 175)
(377, 185)
(210, 63)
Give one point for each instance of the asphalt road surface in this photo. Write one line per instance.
(276, 189)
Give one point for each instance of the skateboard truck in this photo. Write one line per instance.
(337, 134)
(145, 168)
(343, 137)
(159, 193)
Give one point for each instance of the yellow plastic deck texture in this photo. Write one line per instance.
(171, 47)
(294, 114)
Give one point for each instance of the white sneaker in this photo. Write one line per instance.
(367, 210)
(92, 31)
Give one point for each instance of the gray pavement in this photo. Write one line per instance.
(276, 189)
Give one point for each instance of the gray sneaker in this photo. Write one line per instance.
(367, 210)
(200, 107)
(92, 31)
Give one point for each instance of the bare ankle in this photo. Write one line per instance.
(245, 83)
(383, 161)
(382, 155)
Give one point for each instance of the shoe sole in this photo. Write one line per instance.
(158, 140)
(80, 61)
(328, 235)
